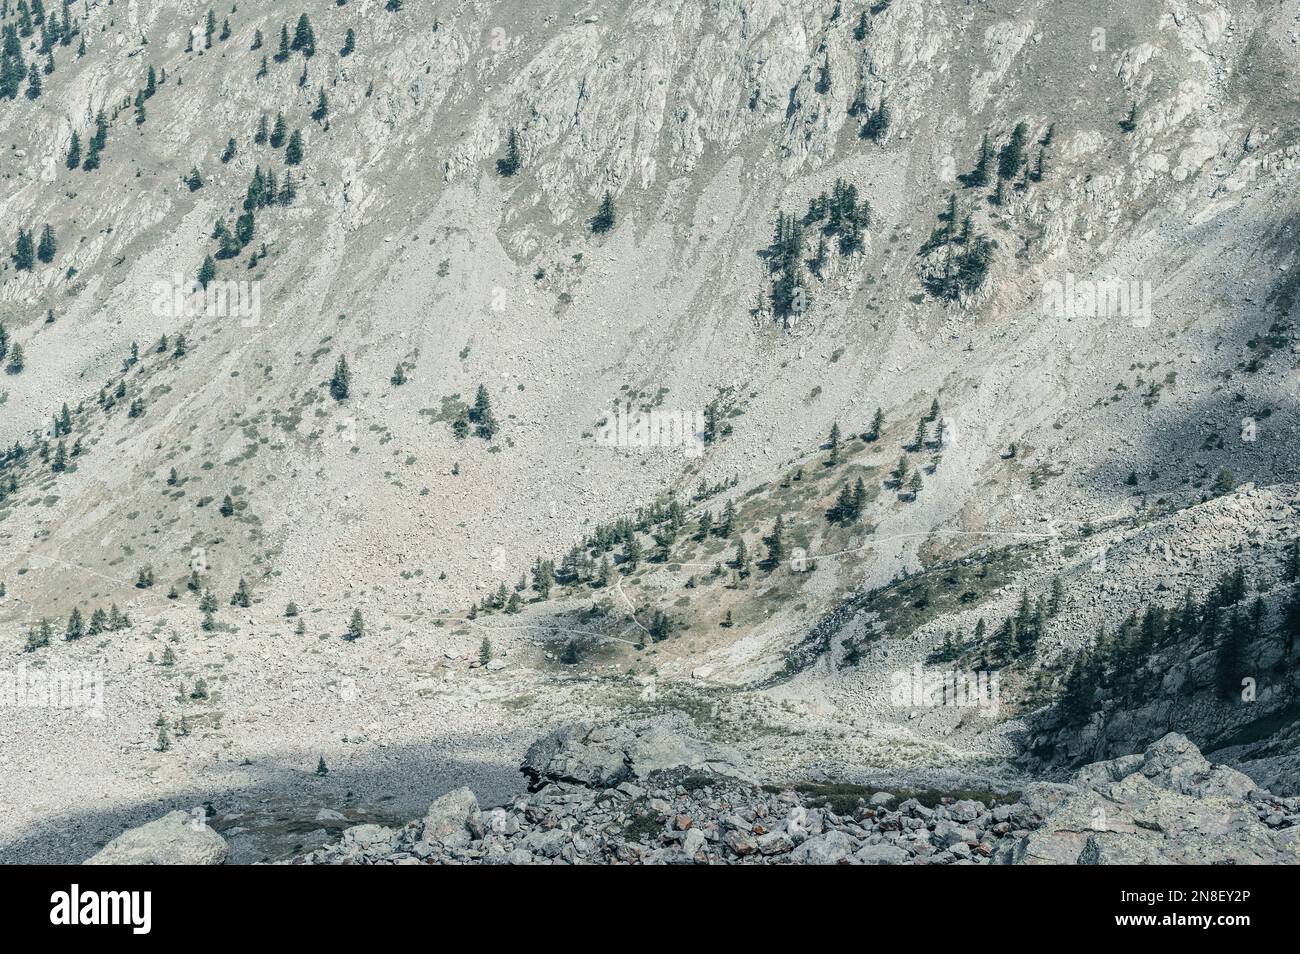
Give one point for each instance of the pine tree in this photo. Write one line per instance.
(322, 107)
(1012, 155)
(1291, 622)
(834, 443)
(510, 164)
(349, 43)
(604, 219)
(485, 424)
(877, 123)
(1129, 123)
(279, 131)
(484, 652)
(915, 484)
(293, 152)
(241, 596)
(341, 382)
(76, 627)
(979, 176)
(227, 508)
(776, 543)
(207, 271)
(356, 627)
(304, 39)
(877, 422)
(194, 181)
(74, 152)
(24, 251)
(46, 248)
(321, 768)
(1231, 653)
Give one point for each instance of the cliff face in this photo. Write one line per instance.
(1152, 179)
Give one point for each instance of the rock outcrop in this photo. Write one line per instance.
(177, 838)
(605, 755)
(1168, 805)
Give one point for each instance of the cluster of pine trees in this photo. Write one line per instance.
(55, 30)
(40, 633)
(841, 217)
(27, 250)
(94, 146)
(1114, 668)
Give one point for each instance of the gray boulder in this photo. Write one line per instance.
(882, 855)
(449, 815)
(177, 838)
(828, 849)
(607, 756)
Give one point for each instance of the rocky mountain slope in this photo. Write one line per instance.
(1101, 459)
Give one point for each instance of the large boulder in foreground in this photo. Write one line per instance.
(605, 756)
(174, 839)
(449, 815)
(1165, 806)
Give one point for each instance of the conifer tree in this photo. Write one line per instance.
(979, 176)
(46, 248)
(510, 163)
(485, 424)
(877, 123)
(24, 251)
(341, 382)
(293, 151)
(604, 219)
(915, 484)
(776, 543)
(1129, 123)
(349, 43)
(304, 39)
(74, 152)
(1012, 155)
(356, 627)
(322, 109)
